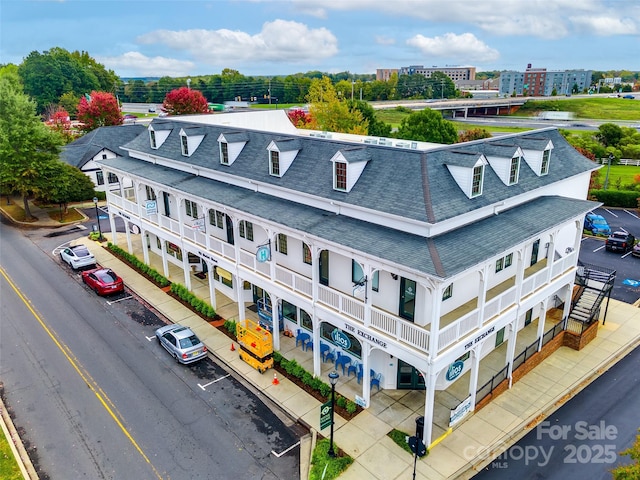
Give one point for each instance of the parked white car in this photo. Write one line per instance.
(77, 256)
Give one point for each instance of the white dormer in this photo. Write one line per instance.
(281, 155)
(230, 145)
(348, 165)
(467, 169)
(158, 134)
(505, 161)
(537, 153)
(190, 139)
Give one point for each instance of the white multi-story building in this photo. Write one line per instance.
(415, 260)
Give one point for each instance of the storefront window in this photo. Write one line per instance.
(326, 333)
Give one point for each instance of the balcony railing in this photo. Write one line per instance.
(342, 303)
(399, 329)
(295, 281)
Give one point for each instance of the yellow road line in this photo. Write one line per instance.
(66, 351)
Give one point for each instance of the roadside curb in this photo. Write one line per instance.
(17, 448)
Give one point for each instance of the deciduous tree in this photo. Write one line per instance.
(60, 121)
(28, 149)
(99, 109)
(631, 471)
(184, 101)
(473, 134)
(427, 126)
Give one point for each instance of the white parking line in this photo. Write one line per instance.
(599, 248)
(631, 213)
(285, 451)
(150, 338)
(607, 210)
(111, 302)
(204, 387)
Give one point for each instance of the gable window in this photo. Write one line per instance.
(152, 136)
(448, 292)
(340, 180)
(99, 178)
(224, 153)
(112, 178)
(306, 254)
(246, 230)
(282, 243)
(274, 163)
(546, 155)
(191, 208)
(499, 264)
(476, 183)
(513, 171)
(104, 156)
(184, 141)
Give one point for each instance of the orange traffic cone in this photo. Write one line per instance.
(233, 347)
(275, 379)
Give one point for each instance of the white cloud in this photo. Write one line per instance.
(549, 19)
(465, 48)
(137, 64)
(383, 40)
(279, 41)
(605, 25)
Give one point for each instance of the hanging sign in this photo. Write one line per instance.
(151, 207)
(263, 254)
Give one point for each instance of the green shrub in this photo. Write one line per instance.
(291, 367)
(230, 325)
(277, 356)
(325, 389)
(351, 407)
(307, 378)
(298, 371)
(616, 198)
(341, 401)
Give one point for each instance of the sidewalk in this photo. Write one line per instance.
(459, 455)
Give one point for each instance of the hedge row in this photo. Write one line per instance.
(196, 303)
(617, 198)
(158, 278)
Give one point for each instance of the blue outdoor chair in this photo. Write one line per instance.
(376, 381)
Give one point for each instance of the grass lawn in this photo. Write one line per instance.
(9, 469)
(600, 108)
(619, 174)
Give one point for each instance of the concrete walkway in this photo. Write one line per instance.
(468, 447)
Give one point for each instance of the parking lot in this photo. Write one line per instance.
(627, 267)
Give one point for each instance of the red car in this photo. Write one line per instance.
(103, 281)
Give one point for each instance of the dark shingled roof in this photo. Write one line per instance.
(82, 150)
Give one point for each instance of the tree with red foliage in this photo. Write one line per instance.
(60, 121)
(184, 101)
(299, 118)
(99, 109)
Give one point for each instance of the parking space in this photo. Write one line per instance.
(627, 267)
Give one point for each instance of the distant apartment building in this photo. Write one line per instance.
(454, 73)
(537, 82)
(384, 74)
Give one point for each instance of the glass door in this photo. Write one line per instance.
(324, 267)
(409, 378)
(534, 252)
(407, 298)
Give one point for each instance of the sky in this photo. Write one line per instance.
(153, 38)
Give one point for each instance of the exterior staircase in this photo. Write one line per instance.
(593, 285)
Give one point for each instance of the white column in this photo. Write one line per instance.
(275, 321)
(430, 395)
(366, 375)
(212, 286)
(475, 371)
(511, 348)
(127, 232)
(436, 304)
(237, 286)
(163, 252)
(482, 294)
(541, 320)
(186, 268)
(145, 247)
(114, 233)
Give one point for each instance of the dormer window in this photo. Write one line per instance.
(340, 176)
(224, 153)
(546, 156)
(282, 153)
(514, 170)
(348, 165)
(158, 133)
(274, 163)
(184, 142)
(152, 136)
(476, 182)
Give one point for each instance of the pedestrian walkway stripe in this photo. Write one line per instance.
(204, 387)
(287, 450)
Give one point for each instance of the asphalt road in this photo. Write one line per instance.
(94, 395)
(584, 438)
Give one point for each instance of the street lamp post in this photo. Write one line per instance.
(95, 202)
(606, 178)
(333, 378)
